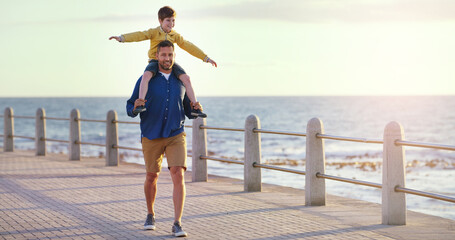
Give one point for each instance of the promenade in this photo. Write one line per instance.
(51, 197)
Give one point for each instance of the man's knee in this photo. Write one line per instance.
(151, 178)
(177, 173)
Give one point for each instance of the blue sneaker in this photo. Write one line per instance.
(178, 231)
(198, 113)
(150, 222)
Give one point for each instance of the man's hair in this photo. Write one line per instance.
(165, 43)
(166, 12)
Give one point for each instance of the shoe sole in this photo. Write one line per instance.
(180, 234)
(139, 111)
(149, 227)
(199, 115)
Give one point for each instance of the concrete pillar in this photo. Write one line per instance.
(112, 157)
(40, 132)
(252, 175)
(315, 194)
(393, 174)
(199, 166)
(74, 149)
(8, 130)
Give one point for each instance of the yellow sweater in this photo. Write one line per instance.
(156, 35)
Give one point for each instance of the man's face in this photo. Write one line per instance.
(165, 58)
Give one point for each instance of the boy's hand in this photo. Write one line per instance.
(197, 106)
(212, 62)
(116, 38)
(139, 102)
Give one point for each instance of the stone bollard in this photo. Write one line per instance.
(40, 132)
(393, 174)
(8, 130)
(112, 157)
(199, 148)
(315, 194)
(74, 148)
(252, 176)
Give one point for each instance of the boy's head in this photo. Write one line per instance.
(166, 16)
(166, 12)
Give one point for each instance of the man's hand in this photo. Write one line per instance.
(116, 38)
(139, 102)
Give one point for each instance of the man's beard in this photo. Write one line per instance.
(166, 67)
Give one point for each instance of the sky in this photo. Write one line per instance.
(60, 48)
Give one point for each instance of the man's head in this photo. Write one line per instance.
(166, 16)
(165, 55)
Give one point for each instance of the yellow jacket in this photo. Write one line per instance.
(156, 35)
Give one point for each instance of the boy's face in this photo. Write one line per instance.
(165, 58)
(167, 24)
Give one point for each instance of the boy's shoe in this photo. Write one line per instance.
(149, 222)
(139, 109)
(178, 231)
(198, 113)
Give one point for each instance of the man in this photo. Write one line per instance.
(162, 132)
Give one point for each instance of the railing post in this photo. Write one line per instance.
(8, 130)
(199, 148)
(40, 132)
(315, 194)
(74, 148)
(112, 156)
(393, 174)
(252, 175)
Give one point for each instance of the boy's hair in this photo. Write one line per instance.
(166, 12)
(165, 43)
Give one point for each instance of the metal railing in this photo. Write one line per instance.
(315, 150)
(335, 178)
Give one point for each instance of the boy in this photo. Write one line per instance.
(166, 17)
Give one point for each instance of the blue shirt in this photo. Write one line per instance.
(167, 105)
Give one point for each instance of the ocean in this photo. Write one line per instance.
(424, 118)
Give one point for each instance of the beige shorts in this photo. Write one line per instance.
(154, 150)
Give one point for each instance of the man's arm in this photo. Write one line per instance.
(133, 102)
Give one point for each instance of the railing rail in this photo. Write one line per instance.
(54, 140)
(56, 118)
(24, 117)
(223, 128)
(271, 167)
(425, 145)
(279, 132)
(394, 158)
(18, 136)
(349, 180)
(425, 194)
(226, 160)
(90, 120)
(349, 139)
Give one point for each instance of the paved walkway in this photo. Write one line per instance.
(51, 197)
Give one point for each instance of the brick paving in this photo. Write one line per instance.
(51, 197)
